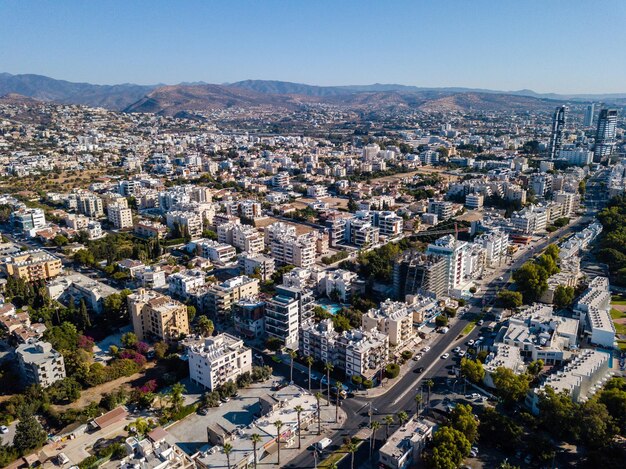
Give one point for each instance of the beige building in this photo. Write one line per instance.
(157, 316)
(33, 265)
(220, 297)
(121, 217)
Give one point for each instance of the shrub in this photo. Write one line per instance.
(407, 354)
(392, 370)
(357, 380)
(90, 462)
(367, 383)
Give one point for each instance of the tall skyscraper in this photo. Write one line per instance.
(605, 135)
(558, 126)
(588, 121)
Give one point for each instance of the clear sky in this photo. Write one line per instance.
(566, 46)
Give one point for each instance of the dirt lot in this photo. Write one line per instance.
(300, 229)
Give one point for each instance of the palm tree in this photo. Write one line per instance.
(318, 396)
(403, 417)
(351, 447)
(339, 387)
(176, 398)
(293, 354)
(418, 402)
(388, 421)
(309, 361)
(299, 409)
(328, 367)
(278, 424)
(256, 439)
(228, 448)
(429, 384)
(374, 426)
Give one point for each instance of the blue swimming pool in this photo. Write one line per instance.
(332, 308)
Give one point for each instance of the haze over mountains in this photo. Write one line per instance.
(175, 99)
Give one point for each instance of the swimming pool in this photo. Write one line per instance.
(332, 308)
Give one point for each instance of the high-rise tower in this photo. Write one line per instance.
(558, 126)
(588, 121)
(605, 135)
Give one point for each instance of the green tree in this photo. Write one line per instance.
(441, 321)
(256, 439)
(279, 425)
(499, 431)
(351, 447)
(292, 356)
(299, 409)
(531, 280)
(547, 263)
(472, 370)
(228, 448)
(563, 296)
(510, 299)
(176, 398)
(613, 396)
(191, 313)
(205, 326)
(450, 447)
(510, 387)
(129, 340)
(375, 425)
(328, 367)
(309, 363)
(29, 434)
(160, 349)
(462, 419)
(388, 420)
(534, 368)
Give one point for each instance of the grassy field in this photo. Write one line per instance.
(470, 327)
(620, 328)
(618, 300)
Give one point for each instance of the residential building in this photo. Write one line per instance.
(496, 245)
(289, 250)
(594, 310)
(218, 298)
(580, 379)
(245, 237)
(157, 316)
(218, 253)
(443, 209)
(361, 232)
(90, 205)
(28, 220)
(282, 319)
(404, 447)
(530, 220)
(339, 284)
(120, 217)
(253, 264)
(588, 120)
(40, 364)
(474, 201)
(33, 265)
(417, 273)
(249, 317)
(150, 229)
(215, 360)
(454, 252)
(186, 282)
(605, 135)
(76, 287)
(558, 127)
(189, 223)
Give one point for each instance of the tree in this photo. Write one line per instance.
(429, 384)
(176, 397)
(499, 431)
(510, 299)
(279, 425)
(351, 447)
(596, 427)
(388, 420)
(613, 396)
(256, 439)
(352, 205)
(29, 434)
(563, 296)
(299, 409)
(403, 417)
(228, 448)
(472, 370)
(547, 263)
(204, 326)
(328, 367)
(375, 425)
(510, 387)
(531, 280)
(462, 419)
(441, 321)
(160, 349)
(318, 397)
(534, 368)
(450, 447)
(191, 313)
(273, 343)
(292, 355)
(129, 340)
(309, 362)
(418, 403)
(339, 387)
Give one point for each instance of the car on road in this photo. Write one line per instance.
(425, 349)
(470, 342)
(445, 356)
(4, 430)
(417, 357)
(419, 369)
(481, 322)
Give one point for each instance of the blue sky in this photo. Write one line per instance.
(567, 46)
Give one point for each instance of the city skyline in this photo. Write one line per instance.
(507, 47)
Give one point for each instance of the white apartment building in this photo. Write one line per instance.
(183, 284)
(216, 360)
(245, 237)
(580, 378)
(189, 221)
(361, 232)
(28, 220)
(94, 230)
(454, 252)
(404, 447)
(594, 310)
(40, 364)
(251, 264)
(530, 220)
(288, 250)
(120, 217)
(474, 201)
(568, 201)
(443, 209)
(282, 319)
(339, 282)
(217, 253)
(496, 245)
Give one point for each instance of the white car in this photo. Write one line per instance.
(462, 353)
(470, 342)
(456, 349)
(4, 430)
(445, 356)
(425, 349)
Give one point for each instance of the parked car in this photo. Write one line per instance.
(4, 430)
(203, 411)
(322, 444)
(445, 356)
(456, 349)
(425, 349)
(470, 342)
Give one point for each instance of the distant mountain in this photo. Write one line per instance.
(176, 99)
(116, 97)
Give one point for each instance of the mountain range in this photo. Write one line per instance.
(177, 99)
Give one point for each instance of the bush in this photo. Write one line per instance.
(367, 383)
(392, 370)
(441, 321)
(90, 462)
(473, 290)
(274, 344)
(357, 380)
(450, 312)
(407, 354)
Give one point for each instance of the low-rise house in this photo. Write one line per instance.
(404, 447)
